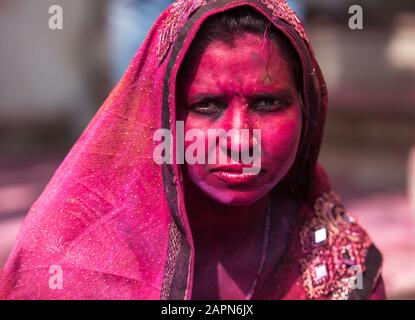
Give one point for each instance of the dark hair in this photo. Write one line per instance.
(227, 26)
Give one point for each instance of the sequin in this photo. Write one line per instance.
(320, 271)
(320, 235)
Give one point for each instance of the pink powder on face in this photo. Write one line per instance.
(237, 77)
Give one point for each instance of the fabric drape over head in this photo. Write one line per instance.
(112, 222)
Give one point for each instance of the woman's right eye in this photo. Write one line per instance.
(207, 108)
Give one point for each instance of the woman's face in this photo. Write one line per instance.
(248, 86)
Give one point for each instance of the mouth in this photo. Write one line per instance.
(236, 174)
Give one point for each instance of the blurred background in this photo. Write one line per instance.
(53, 81)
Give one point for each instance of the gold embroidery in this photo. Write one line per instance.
(173, 253)
(281, 10)
(176, 19)
(334, 248)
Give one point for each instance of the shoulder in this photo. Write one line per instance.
(338, 258)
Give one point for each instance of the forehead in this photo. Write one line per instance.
(249, 58)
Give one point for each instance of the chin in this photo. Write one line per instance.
(235, 198)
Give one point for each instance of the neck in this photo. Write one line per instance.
(229, 242)
(217, 227)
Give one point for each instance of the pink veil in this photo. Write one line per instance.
(113, 221)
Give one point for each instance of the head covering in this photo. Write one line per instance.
(111, 221)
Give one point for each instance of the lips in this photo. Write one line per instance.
(234, 174)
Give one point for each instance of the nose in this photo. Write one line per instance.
(237, 123)
(239, 140)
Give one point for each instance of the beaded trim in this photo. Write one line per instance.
(182, 9)
(177, 17)
(281, 10)
(333, 245)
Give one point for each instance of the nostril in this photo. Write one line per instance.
(238, 140)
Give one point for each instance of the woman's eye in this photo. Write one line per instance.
(206, 108)
(269, 104)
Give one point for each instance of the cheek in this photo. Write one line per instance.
(197, 170)
(280, 139)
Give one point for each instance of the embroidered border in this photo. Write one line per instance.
(175, 21)
(281, 10)
(182, 9)
(332, 242)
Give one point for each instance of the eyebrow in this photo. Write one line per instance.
(203, 96)
(283, 93)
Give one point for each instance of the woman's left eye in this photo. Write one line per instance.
(269, 104)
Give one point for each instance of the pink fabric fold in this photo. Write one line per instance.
(111, 218)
